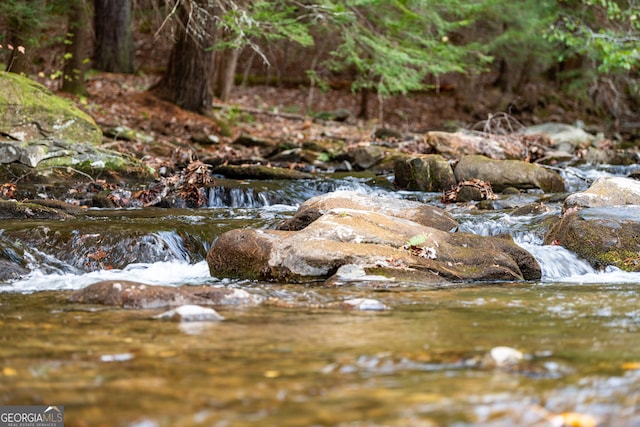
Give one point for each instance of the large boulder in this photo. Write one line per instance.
(606, 191)
(421, 213)
(508, 173)
(344, 236)
(602, 236)
(44, 136)
(428, 172)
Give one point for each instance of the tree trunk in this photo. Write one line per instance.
(227, 63)
(114, 41)
(364, 104)
(76, 52)
(187, 80)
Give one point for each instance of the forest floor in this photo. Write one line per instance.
(276, 112)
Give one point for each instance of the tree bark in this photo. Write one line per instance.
(227, 61)
(187, 82)
(76, 52)
(114, 41)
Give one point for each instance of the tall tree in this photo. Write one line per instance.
(394, 45)
(113, 50)
(76, 48)
(187, 81)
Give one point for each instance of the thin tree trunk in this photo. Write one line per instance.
(364, 104)
(75, 64)
(114, 41)
(227, 64)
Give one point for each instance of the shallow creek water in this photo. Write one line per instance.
(424, 362)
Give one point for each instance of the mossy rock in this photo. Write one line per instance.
(30, 111)
(429, 172)
(11, 209)
(45, 138)
(601, 236)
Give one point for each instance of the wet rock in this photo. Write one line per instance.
(11, 209)
(508, 173)
(429, 172)
(421, 213)
(601, 236)
(606, 191)
(259, 172)
(344, 236)
(531, 209)
(191, 313)
(137, 295)
(9, 270)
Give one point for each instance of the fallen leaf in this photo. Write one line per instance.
(9, 372)
(631, 366)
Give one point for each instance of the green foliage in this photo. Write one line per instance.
(394, 45)
(417, 240)
(606, 31)
(515, 28)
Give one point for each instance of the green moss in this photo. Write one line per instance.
(623, 259)
(23, 101)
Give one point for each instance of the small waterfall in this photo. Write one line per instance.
(259, 194)
(172, 242)
(556, 262)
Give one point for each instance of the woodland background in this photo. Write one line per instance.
(412, 64)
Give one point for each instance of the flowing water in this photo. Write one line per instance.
(424, 362)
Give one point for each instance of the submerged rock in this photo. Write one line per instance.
(191, 313)
(129, 294)
(509, 173)
(343, 236)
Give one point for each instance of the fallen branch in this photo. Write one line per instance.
(251, 110)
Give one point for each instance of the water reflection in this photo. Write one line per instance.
(425, 362)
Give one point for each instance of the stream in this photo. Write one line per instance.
(424, 362)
